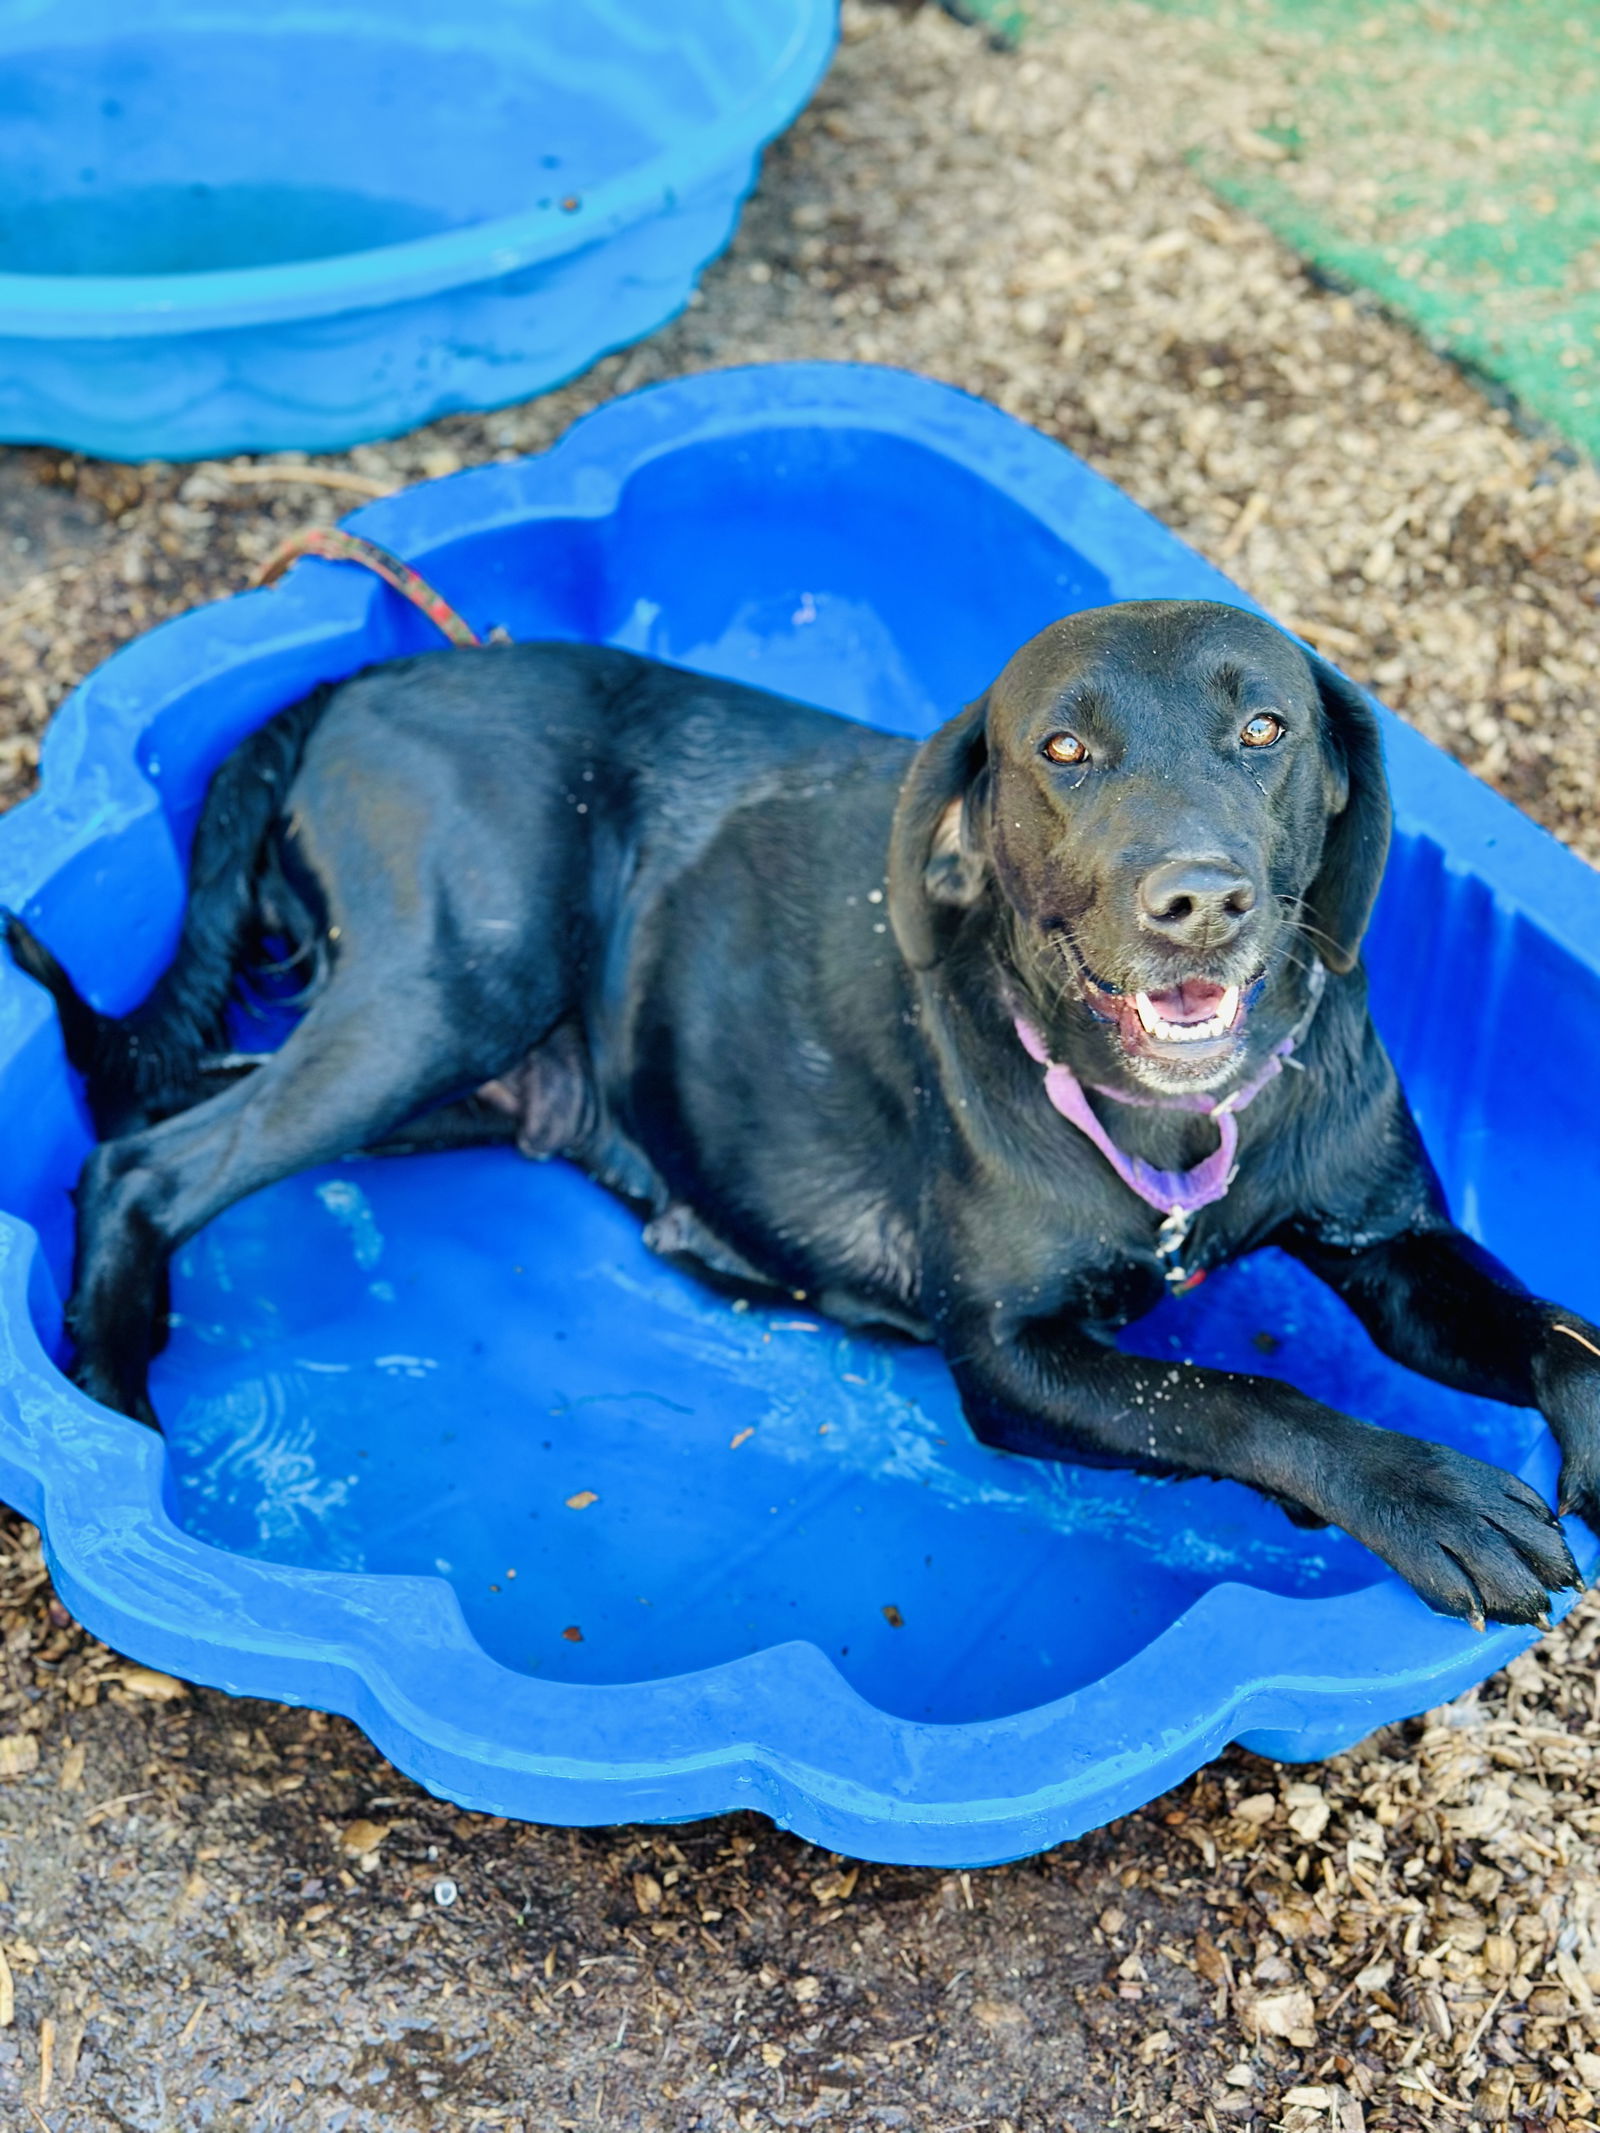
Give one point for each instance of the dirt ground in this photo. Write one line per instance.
(223, 1914)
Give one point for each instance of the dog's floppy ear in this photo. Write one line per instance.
(1339, 902)
(932, 858)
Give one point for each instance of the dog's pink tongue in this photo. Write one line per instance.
(1195, 1000)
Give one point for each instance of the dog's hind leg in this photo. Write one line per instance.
(350, 1073)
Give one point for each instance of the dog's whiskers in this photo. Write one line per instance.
(1294, 917)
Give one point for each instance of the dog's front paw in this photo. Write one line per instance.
(1567, 1376)
(1474, 1541)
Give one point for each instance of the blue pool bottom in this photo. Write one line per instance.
(470, 1365)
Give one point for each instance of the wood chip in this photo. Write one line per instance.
(1288, 2014)
(153, 1687)
(19, 1753)
(836, 1887)
(360, 1837)
(647, 1893)
(1259, 1808)
(998, 2014)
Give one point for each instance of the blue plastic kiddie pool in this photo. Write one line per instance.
(572, 1537)
(229, 226)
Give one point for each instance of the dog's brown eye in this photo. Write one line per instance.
(1262, 730)
(1066, 748)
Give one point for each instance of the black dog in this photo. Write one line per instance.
(793, 986)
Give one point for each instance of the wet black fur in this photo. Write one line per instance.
(756, 967)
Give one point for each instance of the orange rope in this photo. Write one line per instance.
(335, 546)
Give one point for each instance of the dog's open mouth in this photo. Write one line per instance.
(1194, 1020)
(1191, 1013)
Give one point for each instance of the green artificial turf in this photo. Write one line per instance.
(1444, 154)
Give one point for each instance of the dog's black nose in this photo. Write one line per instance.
(1196, 903)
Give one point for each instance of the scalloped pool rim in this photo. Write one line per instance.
(780, 1731)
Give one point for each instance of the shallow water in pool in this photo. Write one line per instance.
(196, 229)
(623, 1475)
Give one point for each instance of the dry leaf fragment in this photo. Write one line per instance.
(572, 1633)
(998, 2014)
(807, 1989)
(19, 1753)
(894, 1618)
(1154, 2045)
(837, 1886)
(1288, 2014)
(582, 1500)
(773, 2055)
(71, 1778)
(155, 1688)
(360, 1837)
(647, 1892)
(1209, 1959)
(743, 1437)
(1202, 1842)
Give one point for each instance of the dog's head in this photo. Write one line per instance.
(1169, 809)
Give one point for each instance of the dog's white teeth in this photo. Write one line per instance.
(1155, 1024)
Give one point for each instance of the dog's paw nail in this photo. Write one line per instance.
(1543, 1618)
(1478, 1622)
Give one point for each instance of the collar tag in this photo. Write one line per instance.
(1170, 1237)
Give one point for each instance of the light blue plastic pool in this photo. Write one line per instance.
(237, 225)
(800, 1585)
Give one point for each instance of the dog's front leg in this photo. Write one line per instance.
(1474, 1542)
(1440, 1304)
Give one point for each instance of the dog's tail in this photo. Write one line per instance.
(141, 1064)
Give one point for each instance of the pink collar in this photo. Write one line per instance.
(1177, 1195)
